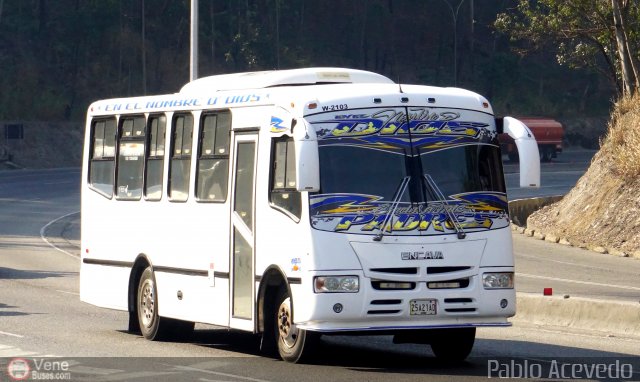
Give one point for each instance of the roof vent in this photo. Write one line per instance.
(292, 77)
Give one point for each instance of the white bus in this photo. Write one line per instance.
(302, 202)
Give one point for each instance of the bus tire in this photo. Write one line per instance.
(152, 326)
(546, 153)
(294, 345)
(453, 345)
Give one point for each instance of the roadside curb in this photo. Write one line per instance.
(621, 318)
(519, 211)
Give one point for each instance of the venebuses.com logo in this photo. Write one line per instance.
(21, 369)
(18, 369)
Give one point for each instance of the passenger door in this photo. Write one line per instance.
(242, 261)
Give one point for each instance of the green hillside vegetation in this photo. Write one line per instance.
(56, 57)
(602, 211)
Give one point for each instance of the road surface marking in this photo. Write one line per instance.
(8, 351)
(43, 229)
(65, 182)
(11, 335)
(577, 281)
(64, 291)
(544, 259)
(188, 368)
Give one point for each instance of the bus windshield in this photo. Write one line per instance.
(356, 170)
(456, 170)
(465, 169)
(364, 159)
(358, 185)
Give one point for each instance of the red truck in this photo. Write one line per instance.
(548, 133)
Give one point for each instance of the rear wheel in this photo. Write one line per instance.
(294, 345)
(453, 344)
(147, 305)
(152, 326)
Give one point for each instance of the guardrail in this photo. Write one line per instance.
(520, 209)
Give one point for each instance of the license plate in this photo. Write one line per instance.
(425, 307)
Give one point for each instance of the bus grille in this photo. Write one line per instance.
(398, 271)
(449, 284)
(389, 306)
(392, 285)
(374, 312)
(458, 305)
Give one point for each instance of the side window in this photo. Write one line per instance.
(213, 158)
(283, 177)
(180, 165)
(489, 163)
(131, 141)
(155, 157)
(103, 151)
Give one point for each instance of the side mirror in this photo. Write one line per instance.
(307, 159)
(527, 151)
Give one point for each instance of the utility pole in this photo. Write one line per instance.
(454, 16)
(193, 56)
(144, 54)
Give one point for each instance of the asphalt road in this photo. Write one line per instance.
(41, 315)
(557, 176)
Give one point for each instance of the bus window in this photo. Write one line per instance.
(155, 157)
(283, 188)
(180, 165)
(213, 158)
(130, 158)
(103, 141)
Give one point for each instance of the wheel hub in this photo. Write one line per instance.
(287, 330)
(147, 304)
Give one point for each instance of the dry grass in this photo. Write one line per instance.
(603, 208)
(622, 142)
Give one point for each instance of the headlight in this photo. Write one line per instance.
(502, 280)
(336, 284)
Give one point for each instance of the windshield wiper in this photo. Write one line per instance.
(441, 198)
(394, 205)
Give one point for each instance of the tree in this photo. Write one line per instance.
(600, 34)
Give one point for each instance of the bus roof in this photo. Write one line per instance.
(324, 86)
(291, 77)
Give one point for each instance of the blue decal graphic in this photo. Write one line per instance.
(276, 125)
(357, 213)
(396, 131)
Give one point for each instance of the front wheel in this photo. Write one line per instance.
(453, 345)
(294, 345)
